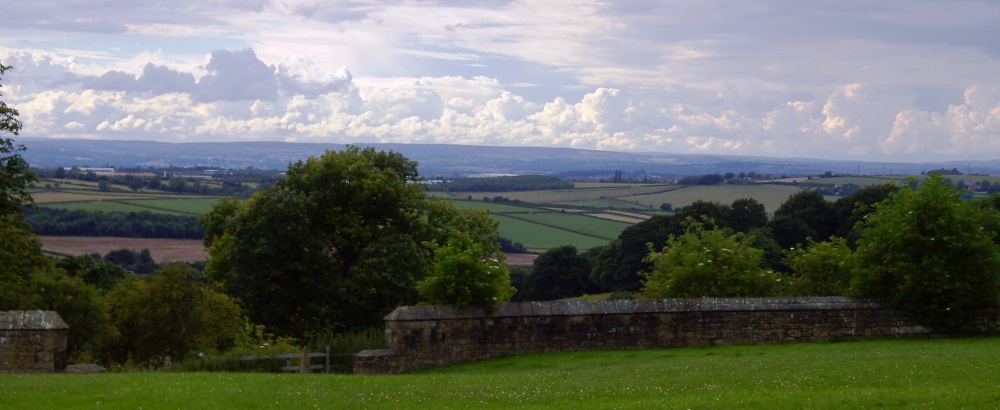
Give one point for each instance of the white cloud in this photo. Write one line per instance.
(866, 80)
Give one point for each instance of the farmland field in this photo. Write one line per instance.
(584, 224)
(537, 237)
(162, 250)
(771, 196)
(196, 206)
(540, 221)
(939, 373)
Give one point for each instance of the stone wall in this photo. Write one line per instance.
(32, 341)
(424, 336)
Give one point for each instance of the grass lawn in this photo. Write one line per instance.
(956, 373)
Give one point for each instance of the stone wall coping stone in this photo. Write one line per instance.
(31, 320)
(623, 307)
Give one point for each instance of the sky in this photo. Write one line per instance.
(887, 80)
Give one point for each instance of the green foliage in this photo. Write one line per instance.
(821, 269)
(617, 267)
(93, 271)
(79, 304)
(745, 214)
(142, 224)
(707, 179)
(465, 273)
(558, 273)
(927, 252)
(804, 215)
(15, 175)
(851, 209)
(708, 263)
(172, 313)
(20, 254)
(337, 244)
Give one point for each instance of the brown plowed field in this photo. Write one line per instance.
(168, 250)
(162, 250)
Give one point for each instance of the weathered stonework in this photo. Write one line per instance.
(424, 336)
(32, 341)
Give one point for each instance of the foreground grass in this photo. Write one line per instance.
(889, 374)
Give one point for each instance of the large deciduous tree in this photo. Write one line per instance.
(15, 176)
(559, 273)
(930, 253)
(337, 244)
(804, 215)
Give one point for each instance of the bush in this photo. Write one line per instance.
(464, 274)
(821, 269)
(929, 253)
(172, 313)
(708, 263)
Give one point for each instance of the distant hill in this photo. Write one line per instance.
(455, 160)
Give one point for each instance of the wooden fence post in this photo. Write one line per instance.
(304, 366)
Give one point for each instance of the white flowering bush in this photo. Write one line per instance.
(930, 253)
(465, 273)
(709, 263)
(821, 268)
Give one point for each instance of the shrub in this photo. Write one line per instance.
(927, 252)
(708, 263)
(821, 268)
(465, 274)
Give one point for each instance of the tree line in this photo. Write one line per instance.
(143, 224)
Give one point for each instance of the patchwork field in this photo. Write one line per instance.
(590, 215)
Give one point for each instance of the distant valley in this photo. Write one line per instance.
(457, 160)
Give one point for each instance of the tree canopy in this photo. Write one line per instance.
(15, 176)
(338, 243)
(708, 263)
(930, 253)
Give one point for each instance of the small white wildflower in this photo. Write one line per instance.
(701, 264)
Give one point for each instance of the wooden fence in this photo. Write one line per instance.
(305, 356)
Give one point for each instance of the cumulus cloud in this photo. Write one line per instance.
(237, 75)
(240, 97)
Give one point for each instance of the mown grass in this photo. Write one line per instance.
(537, 237)
(197, 206)
(955, 373)
(492, 207)
(589, 225)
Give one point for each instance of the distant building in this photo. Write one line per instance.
(97, 170)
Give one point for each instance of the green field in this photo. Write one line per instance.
(538, 238)
(541, 220)
(540, 228)
(770, 195)
(587, 225)
(189, 205)
(940, 373)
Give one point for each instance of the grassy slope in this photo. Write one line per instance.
(953, 373)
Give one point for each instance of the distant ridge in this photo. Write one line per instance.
(455, 160)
